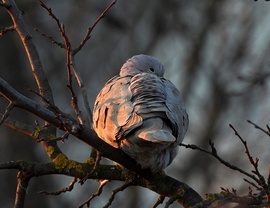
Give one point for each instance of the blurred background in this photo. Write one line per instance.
(215, 52)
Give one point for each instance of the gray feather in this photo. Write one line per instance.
(142, 113)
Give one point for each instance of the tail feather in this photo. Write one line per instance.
(157, 136)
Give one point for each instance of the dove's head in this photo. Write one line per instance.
(142, 63)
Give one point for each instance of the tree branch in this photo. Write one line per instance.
(31, 50)
(4, 30)
(90, 29)
(23, 179)
(164, 185)
(267, 132)
(97, 193)
(213, 153)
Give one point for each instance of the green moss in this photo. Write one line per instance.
(90, 161)
(50, 151)
(60, 161)
(181, 192)
(37, 131)
(51, 136)
(214, 197)
(77, 166)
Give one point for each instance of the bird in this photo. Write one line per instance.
(142, 113)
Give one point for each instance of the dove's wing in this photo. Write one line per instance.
(149, 96)
(113, 114)
(177, 113)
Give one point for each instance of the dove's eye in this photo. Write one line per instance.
(152, 69)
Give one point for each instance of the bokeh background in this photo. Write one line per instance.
(215, 52)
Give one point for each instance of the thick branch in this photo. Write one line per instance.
(186, 194)
(30, 48)
(33, 57)
(22, 185)
(162, 184)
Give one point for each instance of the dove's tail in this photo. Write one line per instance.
(155, 130)
(158, 136)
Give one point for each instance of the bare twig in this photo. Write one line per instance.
(89, 137)
(83, 133)
(171, 200)
(97, 193)
(79, 80)
(162, 184)
(268, 178)
(70, 53)
(45, 100)
(23, 179)
(61, 45)
(19, 126)
(30, 48)
(68, 188)
(253, 162)
(97, 161)
(58, 113)
(68, 48)
(74, 99)
(61, 138)
(49, 10)
(76, 72)
(253, 184)
(90, 29)
(213, 153)
(115, 191)
(159, 201)
(35, 63)
(267, 132)
(6, 113)
(4, 30)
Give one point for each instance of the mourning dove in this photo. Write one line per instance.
(141, 113)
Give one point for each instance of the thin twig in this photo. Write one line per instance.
(45, 100)
(253, 184)
(31, 50)
(61, 138)
(4, 30)
(253, 162)
(49, 10)
(267, 132)
(79, 80)
(61, 45)
(97, 193)
(58, 113)
(6, 113)
(115, 191)
(97, 161)
(268, 178)
(171, 200)
(159, 201)
(74, 99)
(90, 29)
(68, 188)
(215, 155)
(67, 46)
(70, 61)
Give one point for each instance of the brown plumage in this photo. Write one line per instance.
(142, 113)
